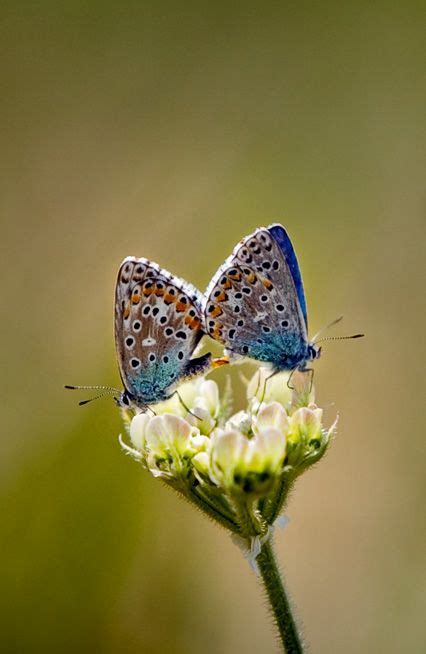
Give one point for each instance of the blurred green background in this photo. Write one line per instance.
(170, 131)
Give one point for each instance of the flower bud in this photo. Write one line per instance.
(137, 430)
(271, 415)
(247, 465)
(170, 443)
(305, 435)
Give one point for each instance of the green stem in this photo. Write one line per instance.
(212, 509)
(249, 520)
(278, 600)
(273, 507)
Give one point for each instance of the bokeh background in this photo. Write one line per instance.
(171, 130)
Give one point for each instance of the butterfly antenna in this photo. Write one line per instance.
(324, 329)
(106, 390)
(338, 338)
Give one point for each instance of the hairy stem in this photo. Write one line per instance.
(273, 507)
(278, 600)
(213, 509)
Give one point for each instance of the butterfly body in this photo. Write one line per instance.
(157, 328)
(255, 304)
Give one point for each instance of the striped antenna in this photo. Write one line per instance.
(107, 390)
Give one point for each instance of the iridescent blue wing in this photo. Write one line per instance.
(251, 305)
(157, 327)
(283, 240)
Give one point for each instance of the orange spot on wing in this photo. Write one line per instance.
(180, 306)
(267, 284)
(126, 312)
(217, 311)
(227, 284)
(217, 333)
(251, 278)
(136, 298)
(236, 276)
(159, 291)
(169, 298)
(195, 323)
(222, 297)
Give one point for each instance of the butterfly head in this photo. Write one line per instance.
(314, 352)
(129, 401)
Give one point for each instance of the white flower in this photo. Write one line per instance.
(137, 430)
(249, 465)
(201, 398)
(306, 424)
(240, 421)
(271, 415)
(247, 454)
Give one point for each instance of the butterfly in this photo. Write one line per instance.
(255, 304)
(158, 325)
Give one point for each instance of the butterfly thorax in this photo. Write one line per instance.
(284, 351)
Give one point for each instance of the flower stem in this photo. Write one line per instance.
(278, 600)
(275, 505)
(212, 509)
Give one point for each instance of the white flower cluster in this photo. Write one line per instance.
(191, 442)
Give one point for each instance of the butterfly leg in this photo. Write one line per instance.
(264, 386)
(292, 388)
(187, 409)
(299, 388)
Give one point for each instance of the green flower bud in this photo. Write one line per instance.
(306, 436)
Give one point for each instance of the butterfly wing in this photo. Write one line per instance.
(252, 305)
(157, 327)
(282, 238)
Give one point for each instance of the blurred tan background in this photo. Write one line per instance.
(170, 132)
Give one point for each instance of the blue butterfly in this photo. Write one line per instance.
(255, 304)
(158, 325)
